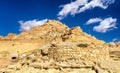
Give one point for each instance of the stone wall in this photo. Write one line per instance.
(75, 52)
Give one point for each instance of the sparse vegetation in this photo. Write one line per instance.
(82, 45)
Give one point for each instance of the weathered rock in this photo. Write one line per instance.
(55, 48)
(75, 52)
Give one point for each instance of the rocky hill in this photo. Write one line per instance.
(55, 48)
(53, 31)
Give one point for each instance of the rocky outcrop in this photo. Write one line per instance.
(52, 30)
(63, 58)
(56, 48)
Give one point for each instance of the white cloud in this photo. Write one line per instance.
(115, 39)
(106, 25)
(79, 6)
(70, 8)
(96, 3)
(93, 20)
(27, 25)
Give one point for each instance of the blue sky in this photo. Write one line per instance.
(100, 18)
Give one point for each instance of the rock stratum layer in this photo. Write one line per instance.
(55, 48)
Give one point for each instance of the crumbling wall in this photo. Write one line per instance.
(70, 52)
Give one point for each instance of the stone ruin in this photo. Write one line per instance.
(77, 52)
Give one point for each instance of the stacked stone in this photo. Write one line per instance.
(73, 52)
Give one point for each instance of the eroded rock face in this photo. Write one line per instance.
(56, 48)
(64, 57)
(53, 31)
